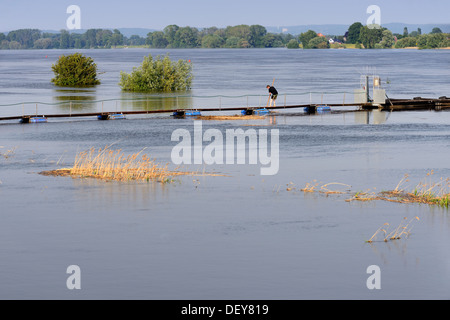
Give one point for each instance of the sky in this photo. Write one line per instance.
(52, 15)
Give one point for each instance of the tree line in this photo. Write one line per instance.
(240, 36)
(173, 36)
(375, 37)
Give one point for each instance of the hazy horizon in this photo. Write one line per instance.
(52, 15)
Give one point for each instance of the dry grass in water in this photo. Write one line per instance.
(110, 164)
(316, 187)
(427, 192)
(402, 229)
(8, 153)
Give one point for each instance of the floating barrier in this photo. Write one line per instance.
(317, 109)
(249, 112)
(114, 116)
(183, 113)
(37, 119)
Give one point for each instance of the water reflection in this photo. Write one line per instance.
(75, 99)
(141, 101)
(371, 117)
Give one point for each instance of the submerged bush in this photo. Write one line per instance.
(75, 70)
(159, 74)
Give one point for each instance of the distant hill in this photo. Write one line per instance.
(340, 29)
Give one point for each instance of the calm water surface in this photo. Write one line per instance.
(242, 236)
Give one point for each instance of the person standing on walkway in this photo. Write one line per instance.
(273, 94)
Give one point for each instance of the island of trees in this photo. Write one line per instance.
(240, 36)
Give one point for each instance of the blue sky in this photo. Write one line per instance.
(51, 14)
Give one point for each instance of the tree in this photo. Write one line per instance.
(157, 39)
(160, 74)
(305, 37)
(353, 32)
(293, 44)
(369, 37)
(75, 70)
(212, 41)
(257, 33)
(318, 43)
(272, 40)
(116, 38)
(25, 37)
(405, 32)
(406, 42)
(169, 34)
(232, 42)
(436, 30)
(43, 43)
(387, 40)
(186, 37)
(64, 42)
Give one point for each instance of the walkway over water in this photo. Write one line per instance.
(416, 103)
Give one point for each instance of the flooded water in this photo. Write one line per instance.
(239, 236)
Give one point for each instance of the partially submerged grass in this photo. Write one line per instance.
(396, 233)
(110, 164)
(8, 153)
(427, 192)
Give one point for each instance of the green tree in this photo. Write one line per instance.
(43, 43)
(387, 39)
(232, 42)
(116, 38)
(406, 42)
(318, 43)
(257, 33)
(186, 37)
(64, 42)
(75, 70)
(272, 40)
(435, 40)
(436, 30)
(405, 32)
(159, 75)
(293, 44)
(212, 41)
(305, 37)
(241, 31)
(353, 32)
(25, 37)
(169, 34)
(369, 37)
(157, 39)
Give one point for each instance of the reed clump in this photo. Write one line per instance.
(429, 192)
(108, 164)
(404, 228)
